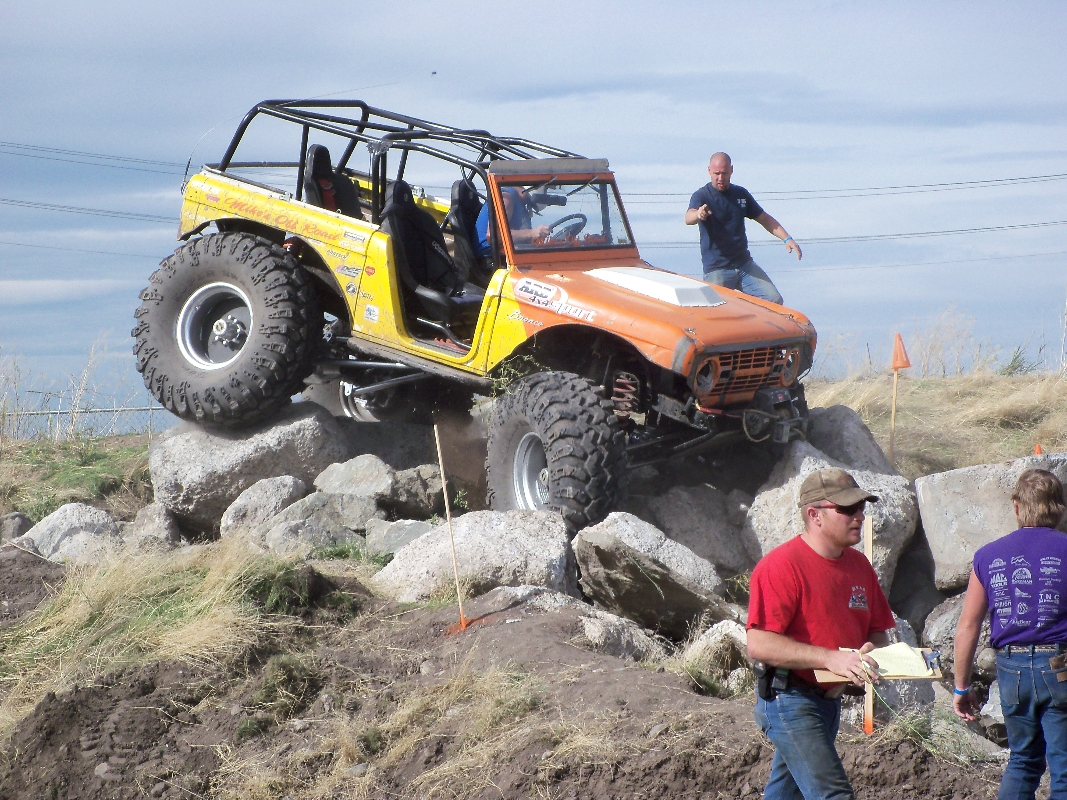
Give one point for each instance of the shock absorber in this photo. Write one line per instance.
(625, 394)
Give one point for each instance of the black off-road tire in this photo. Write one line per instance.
(247, 380)
(582, 444)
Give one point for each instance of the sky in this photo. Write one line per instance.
(822, 105)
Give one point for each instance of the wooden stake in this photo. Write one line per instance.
(893, 417)
(448, 516)
(868, 691)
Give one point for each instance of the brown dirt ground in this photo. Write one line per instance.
(25, 580)
(171, 730)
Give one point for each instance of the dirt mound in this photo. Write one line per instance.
(25, 580)
(393, 702)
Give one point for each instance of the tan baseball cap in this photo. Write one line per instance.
(832, 485)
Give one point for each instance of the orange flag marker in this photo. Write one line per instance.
(1037, 449)
(900, 361)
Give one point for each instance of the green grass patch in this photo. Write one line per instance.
(289, 685)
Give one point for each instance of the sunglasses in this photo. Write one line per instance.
(848, 511)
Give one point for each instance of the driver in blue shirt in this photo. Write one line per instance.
(522, 230)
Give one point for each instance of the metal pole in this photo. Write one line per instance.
(868, 690)
(893, 418)
(448, 516)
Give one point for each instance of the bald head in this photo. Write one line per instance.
(720, 168)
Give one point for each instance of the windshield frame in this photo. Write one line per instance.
(540, 255)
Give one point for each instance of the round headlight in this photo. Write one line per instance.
(792, 367)
(706, 377)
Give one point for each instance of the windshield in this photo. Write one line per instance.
(564, 215)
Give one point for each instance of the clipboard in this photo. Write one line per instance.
(931, 656)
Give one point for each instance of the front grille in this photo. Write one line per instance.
(745, 371)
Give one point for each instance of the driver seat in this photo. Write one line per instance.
(430, 281)
(460, 222)
(326, 188)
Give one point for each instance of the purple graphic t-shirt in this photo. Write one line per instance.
(1025, 580)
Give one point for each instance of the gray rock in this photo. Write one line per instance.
(365, 475)
(510, 548)
(964, 509)
(631, 584)
(259, 502)
(913, 594)
(399, 445)
(387, 537)
(774, 517)
(153, 529)
(839, 432)
(650, 540)
(418, 492)
(197, 472)
(14, 525)
(615, 636)
(737, 505)
(301, 536)
(940, 630)
(699, 517)
(903, 696)
(341, 515)
(75, 533)
(985, 663)
(992, 713)
(718, 651)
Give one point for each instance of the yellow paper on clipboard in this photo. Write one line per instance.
(898, 661)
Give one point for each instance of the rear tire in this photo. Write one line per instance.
(227, 330)
(555, 443)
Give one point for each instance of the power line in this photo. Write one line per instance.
(95, 212)
(86, 154)
(92, 163)
(79, 250)
(877, 237)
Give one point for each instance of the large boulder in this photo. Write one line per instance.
(913, 594)
(259, 502)
(716, 653)
(74, 533)
(632, 584)
(415, 492)
(509, 548)
(839, 432)
(707, 521)
(652, 542)
(940, 631)
(342, 516)
(288, 538)
(964, 509)
(198, 472)
(774, 517)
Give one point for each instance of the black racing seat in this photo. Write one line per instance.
(430, 282)
(325, 188)
(460, 223)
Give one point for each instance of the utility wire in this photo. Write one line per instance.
(78, 250)
(878, 237)
(95, 212)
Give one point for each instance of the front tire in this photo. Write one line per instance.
(555, 443)
(226, 330)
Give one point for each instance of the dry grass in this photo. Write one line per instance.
(949, 422)
(189, 605)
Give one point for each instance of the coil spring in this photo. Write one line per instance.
(625, 394)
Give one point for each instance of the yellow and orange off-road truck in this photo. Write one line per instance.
(518, 277)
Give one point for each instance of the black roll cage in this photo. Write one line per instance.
(383, 131)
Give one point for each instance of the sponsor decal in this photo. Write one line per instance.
(370, 270)
(1021, 609)
(370, 313)
(1022, 575)
(996, 562)
(1021, 623)
(366, 295)
(351, 288)
(1020, 593)
(1050, 571)
(359, 238)
(1049, 597)
(341, 254)
(349, 272)
(1050, 561)
(212, 196)
(1019, 561)
(554, 298)
(1003, 603)
(858, 598)
(999, 579)
(1004, 612)
(516, 314)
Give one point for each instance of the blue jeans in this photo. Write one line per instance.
(803, 726)
(745, 276)
(1035, 714)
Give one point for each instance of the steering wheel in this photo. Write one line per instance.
(578, 222)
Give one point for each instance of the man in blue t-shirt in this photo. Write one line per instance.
(519, 222)
(1020, 580)
(720, 208)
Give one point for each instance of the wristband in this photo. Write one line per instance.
(788, 239)
(961, 692)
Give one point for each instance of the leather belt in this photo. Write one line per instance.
(1030, 649)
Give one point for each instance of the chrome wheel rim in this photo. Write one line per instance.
(214, 325)
(531, 473)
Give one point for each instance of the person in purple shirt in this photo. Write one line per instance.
(1021, 580)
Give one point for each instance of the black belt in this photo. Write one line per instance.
(1030, 649)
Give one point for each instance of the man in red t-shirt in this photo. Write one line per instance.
(809, 597)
